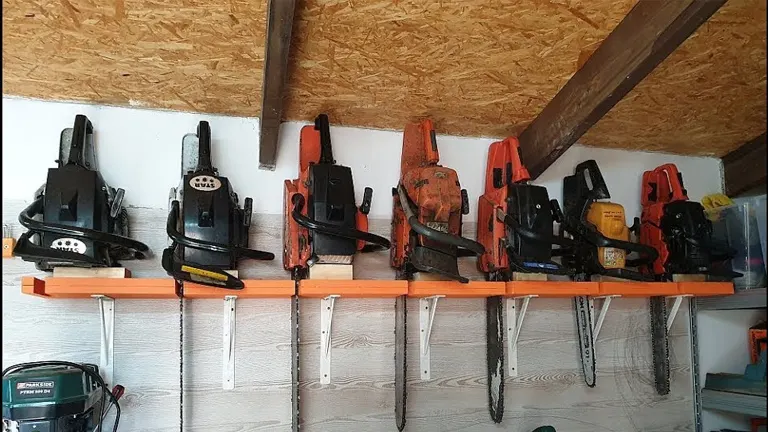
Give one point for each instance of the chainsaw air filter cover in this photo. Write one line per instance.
(207, 228)
(77, 219)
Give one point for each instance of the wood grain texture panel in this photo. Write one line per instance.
(706, 98)
(548, 390)
(477, 68)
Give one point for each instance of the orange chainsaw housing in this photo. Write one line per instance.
(504, 156)
(663, 183)
(296, 239)
(433, 188)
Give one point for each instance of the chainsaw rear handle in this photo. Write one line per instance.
(433, 234)
(179, 238)
(26, 218)
(197, 273)
(377, 242)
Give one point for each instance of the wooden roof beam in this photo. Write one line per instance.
(744, 168)
(276, 50)
(641, 41)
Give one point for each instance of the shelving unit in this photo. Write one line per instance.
(746, 299)
(739, 403)
(724, 319)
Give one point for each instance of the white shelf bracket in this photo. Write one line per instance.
(326, 321)
(107, 330)
(597, 324)
(677, 301)
(427, 309)
(228, 347)
(515, 317)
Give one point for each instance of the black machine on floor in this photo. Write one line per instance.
(56, 396)
(207, 228)
(77, 219)
(601, 243)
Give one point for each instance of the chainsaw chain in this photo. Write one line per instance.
(401, 367)
(495, 352)
(181, 360)
(660, 344)
(586, 339)
(295, 375)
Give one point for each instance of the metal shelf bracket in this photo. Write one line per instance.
(677, 301)
(107, 330)
(427, 309)
(228, 342)
(326, 321)
(514, 324)
(598, 324)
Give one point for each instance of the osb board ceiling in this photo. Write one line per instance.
(476, 67)
(707, 97)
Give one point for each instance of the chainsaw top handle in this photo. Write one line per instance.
(26, 218)
(663, 185)
(179, 238)
(374, 241)
(433, 234)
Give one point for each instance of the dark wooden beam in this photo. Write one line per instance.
(276, 50)
(642, 40)
(744, 168)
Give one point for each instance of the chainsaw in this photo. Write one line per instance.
(57, 396)
(323, 227)
(681, 233)
(426, 231)
(76, 219)
(515, 221)
(207, 229)
(600, 245)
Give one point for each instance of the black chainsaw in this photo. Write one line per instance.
(76, 218)
(207, 228)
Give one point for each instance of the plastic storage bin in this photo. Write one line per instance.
(738, 227)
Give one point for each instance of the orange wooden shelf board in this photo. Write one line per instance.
(639, 289)
(111, 287)
(254, 288)
(353, 288)
(455, 289)
(704, 289)
(551, 288)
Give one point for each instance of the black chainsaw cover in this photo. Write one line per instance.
(76, 196)
(210, 212)
(332, 201)
(529, 206)
(686, 220)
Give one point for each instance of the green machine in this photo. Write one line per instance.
(55, 396)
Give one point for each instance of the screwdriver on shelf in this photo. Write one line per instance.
(8, 242)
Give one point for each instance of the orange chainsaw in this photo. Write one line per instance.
(322, 223)
(426, 231)
(515, 225)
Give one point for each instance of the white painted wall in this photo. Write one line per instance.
(140, 150)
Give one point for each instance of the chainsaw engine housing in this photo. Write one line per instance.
(332, 201)
(77, 219)
(678, 229)
(207, 227)
(530, 206)
(322, 223)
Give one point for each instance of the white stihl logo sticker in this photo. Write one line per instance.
(205, 183)
(69, 245)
